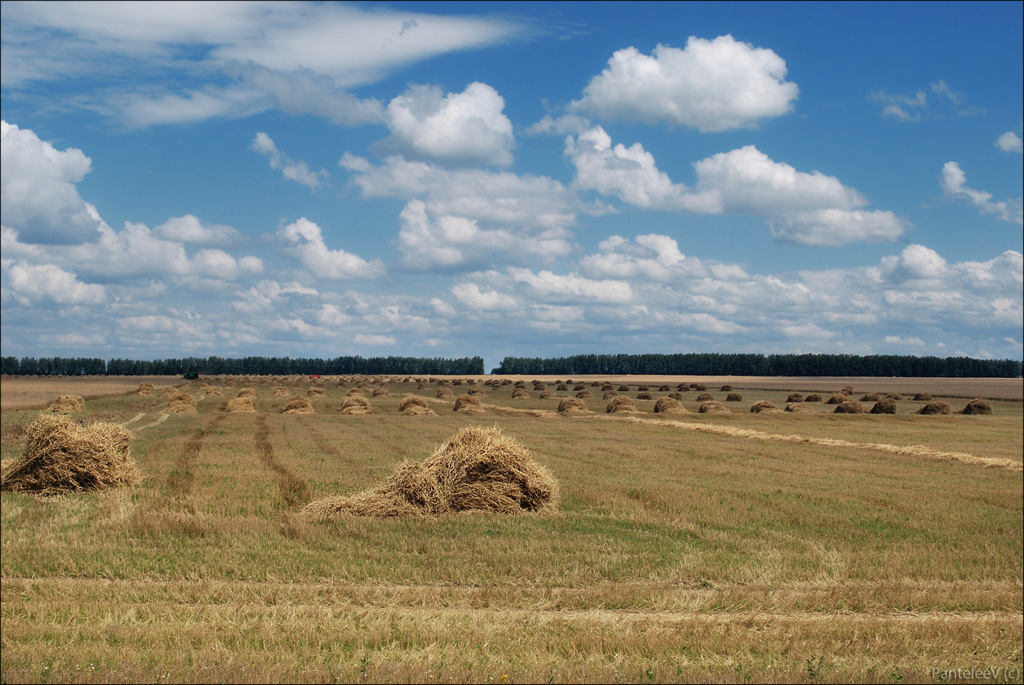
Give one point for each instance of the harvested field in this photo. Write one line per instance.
(796, 546)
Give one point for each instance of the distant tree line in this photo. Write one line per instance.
(718, 364)
(245, 366)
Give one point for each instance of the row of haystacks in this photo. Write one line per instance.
(64, 456)
(476, 470)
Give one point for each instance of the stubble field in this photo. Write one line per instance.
(772, 547)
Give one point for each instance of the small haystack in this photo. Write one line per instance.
(445, 392)
(476, 391)
(813, 397)
(871, 397)
(68, 404)
(894, 396)
(240, 404)
(381, 392)
(727, 388)
(412, 405)
(764, 407)
(478, 469)
(248, 392)
(935, 407)
(584, 395)
(620, 404)
(316, 391)
(168, 393)
(977, 406)
(847, 390)
(549, 395)
(281, 392)
(734, 397)
(182, 403)
(923, 397)
(799, 408)
(467, 404)
(62, 456)
(838, 398)
(609, 394)
(214, 390)
(146, 388)
(572, 405)
(884, 406)
(795, 397)
(299, 405)
(356, 405)
(668, 405)
(713, 407)
(849, 407)
(644, 396)
(705, 397)
(520, 394)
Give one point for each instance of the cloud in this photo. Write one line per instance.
(953, 181)
(837, 227)
(1010, 142)
(711, 85)
(913, 108)
(38, 189)
(303, 240)
(190, 229)
(627, 173)
(747, 181)
(547, 286)
(31, 283)
(470, 295)
(467, 128)
(299, 57)
(292, 170)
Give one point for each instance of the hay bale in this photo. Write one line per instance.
(384, 392)
(713, 407)
(664, 388)
(477, 470)
(849, 407)
(977, 406)
(923, 397)
(699, 387)
(240, 404)
(609, 394)
(884, 406)
(548, 395)
(894, 396)
(847, 390)
(726, 388)
(871, 397)
(704, 398)
(676, 396)
(281, 392)
(146, 388)
(182, 403)
(214, 390)
(467, 404)
(838, 398)
(623, 388)
(412, 405)
(520, 394)
(248, 392)
(734, 397)
(584, 395)
(444, 392)
(764, 408)
(476, 392)
(562, 387)
(813, 397)
(68, 404)
(299, 405)
(572, 405)
(795, 397)
(62, 456)
(644, 396)
(168, 393)
(620, 404)
(356, 405)
(799, 408)
(669, 405)
(316, 391)
(935, 407)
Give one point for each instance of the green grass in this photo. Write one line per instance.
(675, 556)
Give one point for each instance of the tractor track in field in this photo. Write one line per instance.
(180, 480)
(294, 490)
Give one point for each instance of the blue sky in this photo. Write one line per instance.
(511, 179)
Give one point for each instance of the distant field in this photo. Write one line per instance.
(28, 392)
(740, 547)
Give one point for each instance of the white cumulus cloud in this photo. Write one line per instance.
(1010, 142)
(304, 240)
(953, 183)
(47, 282)
(293, 170)
(467, 128)
(711, 85)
